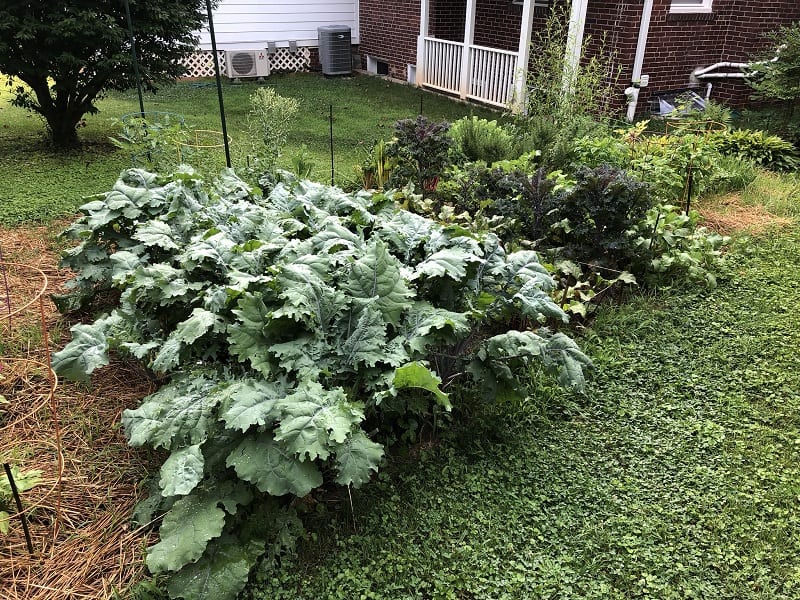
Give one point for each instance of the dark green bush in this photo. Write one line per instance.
(592, 221)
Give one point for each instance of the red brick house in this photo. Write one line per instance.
(478, 48)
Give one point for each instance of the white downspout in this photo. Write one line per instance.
(424, 20)
(641, 45)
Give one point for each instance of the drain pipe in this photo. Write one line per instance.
(632, 92)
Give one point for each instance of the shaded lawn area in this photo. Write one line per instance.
(679, 477)
(38, 184)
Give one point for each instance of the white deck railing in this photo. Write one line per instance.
(491, 71)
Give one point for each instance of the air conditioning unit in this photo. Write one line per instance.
(335, 53)
(247, 63)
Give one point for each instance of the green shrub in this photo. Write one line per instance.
(592, 221)
(480, 139)
(769, 151)
(671, 247)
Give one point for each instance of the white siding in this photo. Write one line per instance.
(246, 24)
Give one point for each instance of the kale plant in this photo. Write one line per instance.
(290, 329)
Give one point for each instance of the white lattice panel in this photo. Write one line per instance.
(285, 60)
(201, 64)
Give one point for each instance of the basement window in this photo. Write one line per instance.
(690, 6)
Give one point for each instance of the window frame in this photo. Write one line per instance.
(684, 7)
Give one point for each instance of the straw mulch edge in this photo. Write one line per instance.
(84, 547)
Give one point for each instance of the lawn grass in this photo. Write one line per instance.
(38, 184)
(678, 477)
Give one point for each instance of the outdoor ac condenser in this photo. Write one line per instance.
(334, 50)
(247, 63)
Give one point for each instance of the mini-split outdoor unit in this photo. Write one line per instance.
(247, 63)
(335, 53)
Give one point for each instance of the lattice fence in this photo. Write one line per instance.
(285, 60)
(201, 64)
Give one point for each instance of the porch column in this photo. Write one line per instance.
(424, 21)
(466, 57)
(519, 99)
(577, 21)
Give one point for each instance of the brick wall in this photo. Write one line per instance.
(677, 44)
(388, 31)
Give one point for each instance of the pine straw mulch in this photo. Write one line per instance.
(79, 514)
(728, 215)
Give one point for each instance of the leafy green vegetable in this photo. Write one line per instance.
(286, 327)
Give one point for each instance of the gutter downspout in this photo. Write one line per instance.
(641, 45)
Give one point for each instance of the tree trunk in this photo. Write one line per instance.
(63, 129)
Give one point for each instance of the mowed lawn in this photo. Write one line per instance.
(38, 183)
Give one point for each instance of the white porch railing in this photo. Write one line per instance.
(443, 64)
(491, 71)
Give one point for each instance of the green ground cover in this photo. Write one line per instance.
(38, 184)
(677, 477)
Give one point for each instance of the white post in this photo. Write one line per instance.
(523, 57)
(465, 80)
(424, 21)
(577, 21)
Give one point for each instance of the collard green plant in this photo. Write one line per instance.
(671, 247)
(292, 330)
(152, 141)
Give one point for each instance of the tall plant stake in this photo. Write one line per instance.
(18, 501)
(219, 84)
(330, 118)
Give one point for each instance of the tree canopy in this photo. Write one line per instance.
(68, 53)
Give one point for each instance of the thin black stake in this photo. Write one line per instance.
(689, 187)
(219, 84)
(134, 57)
(330, 118)
(420, 104)
(17, 499)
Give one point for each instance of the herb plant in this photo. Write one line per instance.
(295, 333)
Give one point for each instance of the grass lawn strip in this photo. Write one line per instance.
(37, 184)
(678, 478)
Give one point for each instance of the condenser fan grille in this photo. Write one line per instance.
(243, 62)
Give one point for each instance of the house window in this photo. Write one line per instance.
(536, 3)
(690, 6)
